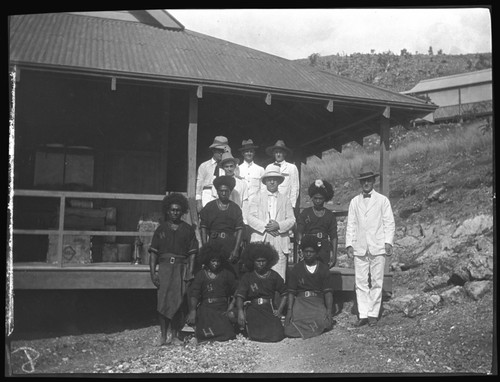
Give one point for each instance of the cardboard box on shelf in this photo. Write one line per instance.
(76, 249)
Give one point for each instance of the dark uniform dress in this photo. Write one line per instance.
(309, 311)
(173, 247)
(324, 228)
(262, 325)
(221, 226)
(212, 323)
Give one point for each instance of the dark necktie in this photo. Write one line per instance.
(216, 171)
(367, 195)
(277, 164)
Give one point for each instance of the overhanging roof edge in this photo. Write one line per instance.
(227, 85)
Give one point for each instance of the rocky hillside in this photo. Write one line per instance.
(398, 72)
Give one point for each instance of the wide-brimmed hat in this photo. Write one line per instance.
(247, 145)
(366, 173)
(278, 145)
(220, 142)
(272, 171)
(225, 180)
(227, 157)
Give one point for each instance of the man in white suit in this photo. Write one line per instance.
(270, 217)
(290, 186)
(369, 237)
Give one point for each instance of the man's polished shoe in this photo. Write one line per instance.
(372, 321)
(360, 322)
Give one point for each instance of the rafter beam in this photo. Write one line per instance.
(346, 127)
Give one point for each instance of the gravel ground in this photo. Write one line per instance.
(454, 339)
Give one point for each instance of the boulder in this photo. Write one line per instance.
(477, 289)
(453, 295)
(407, 241)
(484, 245)
(474, 226)
(480, 267)
(415, 231)
(421, 304)
(435, 282)
(398, 304)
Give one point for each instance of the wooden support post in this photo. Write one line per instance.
(60, 231)
(384, 163)
(192, 143)
(164, 140)
(384, 154)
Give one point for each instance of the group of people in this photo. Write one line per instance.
(237, 279)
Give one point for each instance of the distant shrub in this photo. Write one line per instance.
(472, 137)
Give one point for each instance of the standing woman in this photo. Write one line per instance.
(256, 291)
(221, 220)
(319, 222)
(173, 250)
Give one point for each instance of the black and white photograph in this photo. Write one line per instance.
(251, 192)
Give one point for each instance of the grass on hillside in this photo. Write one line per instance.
(466, 139)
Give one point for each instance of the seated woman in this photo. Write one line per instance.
(319, 222)
(310, 294)
(221, 220)
(212, 289)
(256, 291)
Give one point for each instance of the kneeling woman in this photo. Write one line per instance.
(256, 291)
(310, 294)
(212, 289)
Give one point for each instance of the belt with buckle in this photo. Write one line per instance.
(260, 301)
(212, 300)
(319, 235)
(207, 187)
(215, 235)
(172, 259)
(308, 293)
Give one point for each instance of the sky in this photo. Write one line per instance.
(298, 33)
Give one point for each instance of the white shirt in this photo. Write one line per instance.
(271, 204)
(251, 173)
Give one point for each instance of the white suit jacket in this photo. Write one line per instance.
(369, 227)
(258, 217)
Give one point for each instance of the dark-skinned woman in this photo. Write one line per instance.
(221, 220)
(173, 250)
(319, 222)
(256, 291)
(310, 294)
(211, 295)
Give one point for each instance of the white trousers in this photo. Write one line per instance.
(369, 299)
(281, 265)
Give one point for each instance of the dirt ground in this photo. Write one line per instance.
(452, 339)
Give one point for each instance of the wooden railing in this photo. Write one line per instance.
(63, 195)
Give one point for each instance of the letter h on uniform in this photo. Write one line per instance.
(254, 287)
(208, 333)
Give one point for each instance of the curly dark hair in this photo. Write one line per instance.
(174, 198)
(309, 242)
(258, 249)
(213, 250)
(326, 189)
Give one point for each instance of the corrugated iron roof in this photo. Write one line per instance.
(124, 47)
(454, 81)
